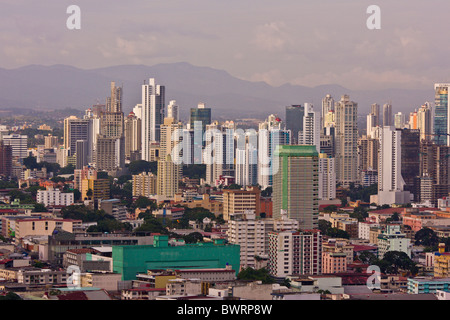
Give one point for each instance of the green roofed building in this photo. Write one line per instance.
(132, 260)
(296, 184)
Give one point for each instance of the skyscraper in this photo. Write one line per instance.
(310, 135)
(399, 121)
(172, 111)
(153, 104)
(390, 180)
(346, 141)
(327, 177)
(296, 185)
(441, 114)
(294, 120)
(219, 151)
(387, 115)
(410, 161)
(169, 164)
(270, 135)
(18, 143)
(114, 102)
(133, 135)
(5, 160)
(424, 121)
(327, 106)
(375, 110)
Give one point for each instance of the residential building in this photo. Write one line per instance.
(392, 239)
(54, 197)
(153, 105)
(346, 141)
(295, 253)
(240, 201)
(296, 185)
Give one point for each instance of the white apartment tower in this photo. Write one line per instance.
(390, 180)
(327, 177)
(311, 128)
(153, 104)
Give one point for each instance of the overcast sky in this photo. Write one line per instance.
(300, 42)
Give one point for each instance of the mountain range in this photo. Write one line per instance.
(62, 86)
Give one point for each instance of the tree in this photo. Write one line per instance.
(395, 261)
(193, 237)
(69, 169)
(195, 171)
(10, 296)
(136, 167)
(144, 202)
(256, 275)
(426, 237)
(367, 257)
(39, 207)
(267, 192)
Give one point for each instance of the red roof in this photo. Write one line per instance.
(357, 248)
(5, 261)
(388, 211)
(73, 296)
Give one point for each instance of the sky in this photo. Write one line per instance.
(300, 42)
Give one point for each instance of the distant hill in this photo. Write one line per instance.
(61, 87)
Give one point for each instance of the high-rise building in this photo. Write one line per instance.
(246, 173)
(399, 120)
(387, 115)
(251, 234)
(51, 142)
(327, 177)
(153, 104)
(375, 110)
(114, 102)
(82, 154)
(170, 162)
(240, 201)
(75, 129)
(327, 107)
(434, 163)
(296, 184)
(5, 160)
(219, 152)
(441, 114)
(110, 154)
(346, 141)
(172, 111)
(410, 161)
(18, 143)
(270, 135)
(133, 135)
(390, 180)
(368, 153)
(311, 128)
(294, 121)
(424, 121)
(295, 253)
(200, 114)
(87, 172)
(144, 184)
(413, 121)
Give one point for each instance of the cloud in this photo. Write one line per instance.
(272, 36)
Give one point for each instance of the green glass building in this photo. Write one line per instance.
(296, 184)
(131, 260)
